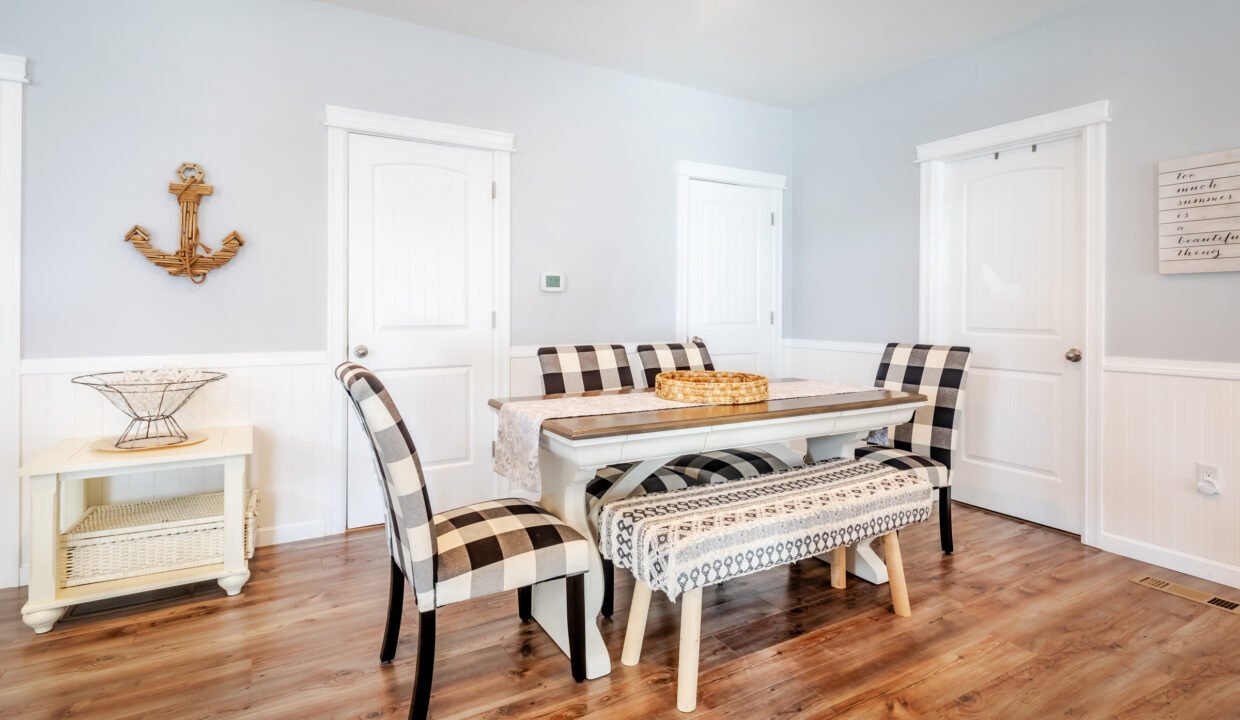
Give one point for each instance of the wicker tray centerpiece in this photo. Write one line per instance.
(711, 387)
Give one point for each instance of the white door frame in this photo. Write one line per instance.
(12, 77)
(340, 123)
(1088, 123)
(776, 184)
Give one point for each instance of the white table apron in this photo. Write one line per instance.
(567, 466)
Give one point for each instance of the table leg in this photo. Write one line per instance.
(564, 494)
(235, 563)
(44, 544)
(863, 561)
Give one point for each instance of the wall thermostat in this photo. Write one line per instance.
(552, 282)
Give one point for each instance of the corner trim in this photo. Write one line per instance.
(1173, 368)
(372, 123)
(980, 142)
(12, 81)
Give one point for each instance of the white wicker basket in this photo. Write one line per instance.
(120, 541)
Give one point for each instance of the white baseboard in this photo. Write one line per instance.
(1171, 559)
(291, 532)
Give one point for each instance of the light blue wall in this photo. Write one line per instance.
(1170, 71)
(125, 90)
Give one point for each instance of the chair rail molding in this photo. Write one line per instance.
(1087, 122)
(340, 123)
(13, 78)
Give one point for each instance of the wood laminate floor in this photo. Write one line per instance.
(1022, 622)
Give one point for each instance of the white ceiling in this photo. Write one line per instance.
(781, 52)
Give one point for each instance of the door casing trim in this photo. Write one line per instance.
(1088, 123)
(340, 123)
(775, 184)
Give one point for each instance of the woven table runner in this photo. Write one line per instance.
(520, 423)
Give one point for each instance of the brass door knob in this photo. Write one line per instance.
(1073, 355)
(360, 351)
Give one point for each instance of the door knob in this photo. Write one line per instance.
(360, 351)
(1073, 355)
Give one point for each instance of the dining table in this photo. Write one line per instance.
(573, 449)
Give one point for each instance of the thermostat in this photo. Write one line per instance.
(552, 282)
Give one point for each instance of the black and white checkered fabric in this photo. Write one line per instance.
(580, 368)
(477, 549)
(666, 357)
(938, 372)
(719, 466)
(663, 480)
(500, 545)
(932, 471)
(679, 541)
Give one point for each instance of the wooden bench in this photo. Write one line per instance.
(679, 542)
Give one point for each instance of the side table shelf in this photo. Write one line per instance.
(62, 470)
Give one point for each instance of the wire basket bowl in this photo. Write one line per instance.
(150, 398)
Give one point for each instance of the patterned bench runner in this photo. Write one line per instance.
(692, 538)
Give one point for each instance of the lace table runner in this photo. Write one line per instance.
(520, 423)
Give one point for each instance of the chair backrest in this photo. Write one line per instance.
(665, 357)
(580, 368)
(407, 505)
(938, 372)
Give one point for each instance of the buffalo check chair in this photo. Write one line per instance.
(466, 553)
(924, 445)
(582, 368)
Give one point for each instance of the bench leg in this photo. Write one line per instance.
(690, 640)
(839, 567)
(895, 574)
(636, 630)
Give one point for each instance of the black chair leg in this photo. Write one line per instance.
(945, 519)
(396, 602)
(576, 593)
(424, 671)
(525, 603)
(609, 588)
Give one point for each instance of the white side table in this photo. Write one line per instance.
(63, 470)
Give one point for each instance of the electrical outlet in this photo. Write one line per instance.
(1209, 481)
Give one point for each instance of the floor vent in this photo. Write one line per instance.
(1204, 598)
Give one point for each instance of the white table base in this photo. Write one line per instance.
(567, 466)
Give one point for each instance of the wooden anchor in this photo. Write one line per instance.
(193, 260)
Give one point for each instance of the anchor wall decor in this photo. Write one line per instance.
(194, 260)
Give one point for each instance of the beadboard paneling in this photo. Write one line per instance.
(846, 362)
(284, 395)
(1158, 424)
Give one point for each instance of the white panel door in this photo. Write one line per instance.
(731, 286)
(1012, 288)
(421, 285)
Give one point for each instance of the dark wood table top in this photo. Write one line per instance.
(599, 426)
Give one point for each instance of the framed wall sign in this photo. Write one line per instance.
(1199, 213)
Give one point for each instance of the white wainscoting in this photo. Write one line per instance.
(1160, 418)
(846, 362)
(284, 395)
